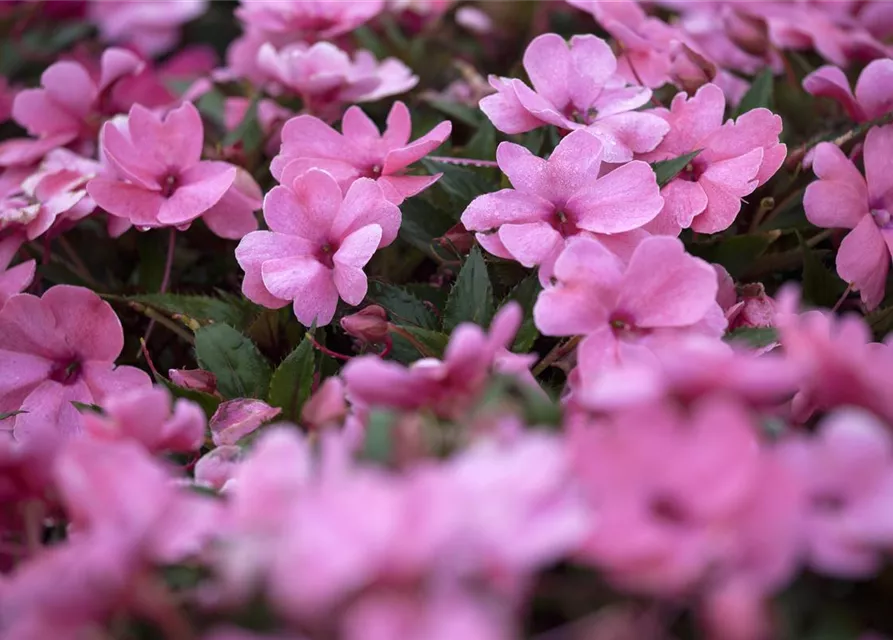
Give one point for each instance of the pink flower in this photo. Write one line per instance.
(842, 198)
(62, 347)
(327, 406)
(156, 175)
(559, 198)
(874, 89)
(318, 243)
(146, 415)
(575, 87)
(755, 309)
(735, 158)
(150, 27)
(847, 472)
(15, 279)
(235, 419)
(68, 107)
(307, 21)
(151, 86)
(271, 117)
(326, 78)
(215, 468)
(360, 151)
(447, 386)
(663, 292)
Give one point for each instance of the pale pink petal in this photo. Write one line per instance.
(256, 248)
(831, 82)
(29, 326)
(874, 90)
(863, 260)
(574, 163)
(723, 207)
(398, 159)
(16, 279)
(357, 248)
(175, 142)
(309, 137)
(530, 243)
(88, 323)
(491, 210)
(879, 164)
(694, 119)
(399, 126)
(138, 205)
(541, 108)
(683, 200)
(130, 164)
(117, 63)
(665, 287)
(365, 204)
(622, 200)
(198, 189)
(504, 109)
(593, 63)
(50, 406)
(70, 86)
(305, 208)
(625, 134)
(106, 380)
(621, 99)
(830, 163)
(548, 63)
(398, 188)
(758, 128)
(358, 127)
(40, 116)
(25, 371)
(305, 281)
(25, 151)
(831, 204)
(527, 173)
(343, 172)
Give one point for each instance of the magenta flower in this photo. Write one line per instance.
(307, 21)
(842, 198)
(157, 177)
(146, 415)
(847, 472)
(326, 78)
(62, 348)
(318, 243)
(360, 151)
(735, 158)
(575, 87)
(663, 292)
(874, 89)
(559, 198)
(15, 279)
(151, 28)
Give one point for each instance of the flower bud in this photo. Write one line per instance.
(748, 32)
(368, 325)
(756, 309)
(458, 237)
(326, 406)
(194, 379)
(689, 69)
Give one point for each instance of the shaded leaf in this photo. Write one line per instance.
(666, 170)
(460, 112)
(753, 337)
(248, 132)
(201, 308)
(821, 286)
(760, 93)
(206, 401)
(525, 294)
(881, 322)
(424, 341)
(402, 306)
(471, 299)
(241, 370)
(291, 382)
(152, 249)
(736, 253)
(461, 183)
(422, 223)
(483, 144)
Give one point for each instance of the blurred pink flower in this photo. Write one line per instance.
(360, 151)
(14, 279)
(235, 419)
(304, 20)
(556, 199)
(842, 198)
(734, 159)
(874, 89)
(152, 28)
(62, 347)
(318, 243)
(575, 87)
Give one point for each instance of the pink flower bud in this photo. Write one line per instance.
(689, 69)
(326, 406)
(235, 419)
(368, 325)
(756, 309)
(458, 237)
(194, 379)
(747, 32)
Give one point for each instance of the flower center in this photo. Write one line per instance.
(692, 171)
(325, 255)
(882, 218)
(66, 372)
(169, 185)
(564, 224)
(582, 116)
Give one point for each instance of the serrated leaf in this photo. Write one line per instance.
(760, 93)
(201, 308)
(460, 112)
(525, 294)
(483, 144)
(753, 337)
(666, 170)
(881, 322)
(736, 253)
(471, 299)
(291, 382)
(402, 306)
(426, 342)
(248, 132)
(206, 401)
(821, 286)
(461, 183)
(241, 370)
(422, 223)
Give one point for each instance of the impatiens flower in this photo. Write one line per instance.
(447, 387)
(146, 415)
(235, 419)
(157, 176)
(68, 106)
(58, 349)
(575, 87)
(326, 78)
(847, 472)
(662, 293)
(150, 27)
(842, 198)
(874, 89)
(559, 198)
(15, 279)
(318, 243)
(360, 151)
(307, 21)
(733, 159)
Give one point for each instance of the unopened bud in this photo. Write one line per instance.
(325, 407)
(459, 238)
(756, 309)
(195, 379)
(748, 32)
(689, 69)
(368, 325)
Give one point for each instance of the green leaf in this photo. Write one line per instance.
(736, 253)
(666, 170)
(378, 445)
(525, 294)
(292, 380)
(483, 144)
(760, 93)
(201, 308)
(753, 337)
(424, 341)
(422, 223)
(152, 249)
(369, 40)
(471, 299)
(10, 414)
(206, 401)
(533, 140)
(821, 286)
(881, 322)
(86, 406)
(460, 112)
(248, 132)
(461, 183)
(242, 372)
(402, 306)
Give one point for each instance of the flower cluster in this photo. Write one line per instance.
(580, 326)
